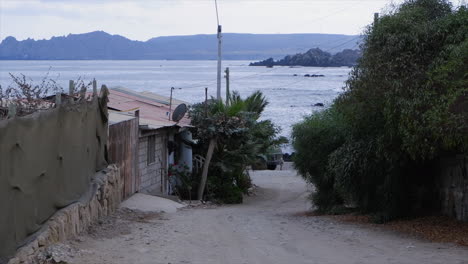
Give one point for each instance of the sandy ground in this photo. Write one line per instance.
(148, 203)
(265, 229)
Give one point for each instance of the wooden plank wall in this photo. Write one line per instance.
(123, 151)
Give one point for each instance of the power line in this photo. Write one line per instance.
(292, 1)
(258, 74)
(274, 69)
(289, 84)
(331, 14)
(340, 45)
(211, 83)
(199, 85)
(335, 48)
(204, 84)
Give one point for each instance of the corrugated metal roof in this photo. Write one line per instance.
(146, 95)
(117, 117)
(163, 99)
(154, 110)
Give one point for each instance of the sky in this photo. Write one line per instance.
(145, 19)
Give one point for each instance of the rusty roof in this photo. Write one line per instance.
(117, 117)
(154, 108)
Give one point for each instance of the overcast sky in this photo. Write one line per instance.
(144, 19)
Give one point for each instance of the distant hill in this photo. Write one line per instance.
(315, 57)
(100, 45)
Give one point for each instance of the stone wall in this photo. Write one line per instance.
(103, 199)
(453, 187)
(153, 175)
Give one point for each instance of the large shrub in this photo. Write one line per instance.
(314, 140)
(240, 138)
(404, 106)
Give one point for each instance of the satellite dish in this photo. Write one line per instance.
(179, 112)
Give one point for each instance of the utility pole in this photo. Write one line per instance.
(218, 92)
(170, 104)
(228, 95)
(206, 101)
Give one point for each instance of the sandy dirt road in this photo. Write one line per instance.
(263, 230)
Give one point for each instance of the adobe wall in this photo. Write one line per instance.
(48, 162)
(107, 189)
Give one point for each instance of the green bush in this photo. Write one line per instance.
(405, 105)
(240, 140)
(222, 187)
(314, 140)
(184, 182)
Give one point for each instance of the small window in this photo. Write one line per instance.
(151, 149)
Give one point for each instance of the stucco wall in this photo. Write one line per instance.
(48, 160)
(65, 224)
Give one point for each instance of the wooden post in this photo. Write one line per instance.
(206, 165)
(82, 92)
(71, 90)
(104, 92)
(11, 110)
(94, 88)
(228, 95)
(58, 99)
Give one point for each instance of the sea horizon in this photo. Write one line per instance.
(290, 97)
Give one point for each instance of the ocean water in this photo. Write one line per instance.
(291, 97)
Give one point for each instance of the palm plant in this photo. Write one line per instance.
(232, 129)
(255, 103)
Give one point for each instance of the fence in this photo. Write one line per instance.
(123, 151)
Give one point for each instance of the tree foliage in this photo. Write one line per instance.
(28, 97)
(314, 140)
(404, 106)
(240, 139)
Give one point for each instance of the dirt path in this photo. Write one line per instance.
(263, 230)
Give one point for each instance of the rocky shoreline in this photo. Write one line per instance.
(315, 58)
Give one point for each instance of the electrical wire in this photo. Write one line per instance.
(337, 11)
(256, 74)
(327, 50)
(204, 84)
(318, 71)
(274, 69)
(197, 85)
(212, 83)
(288, 85)
(208, 84)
